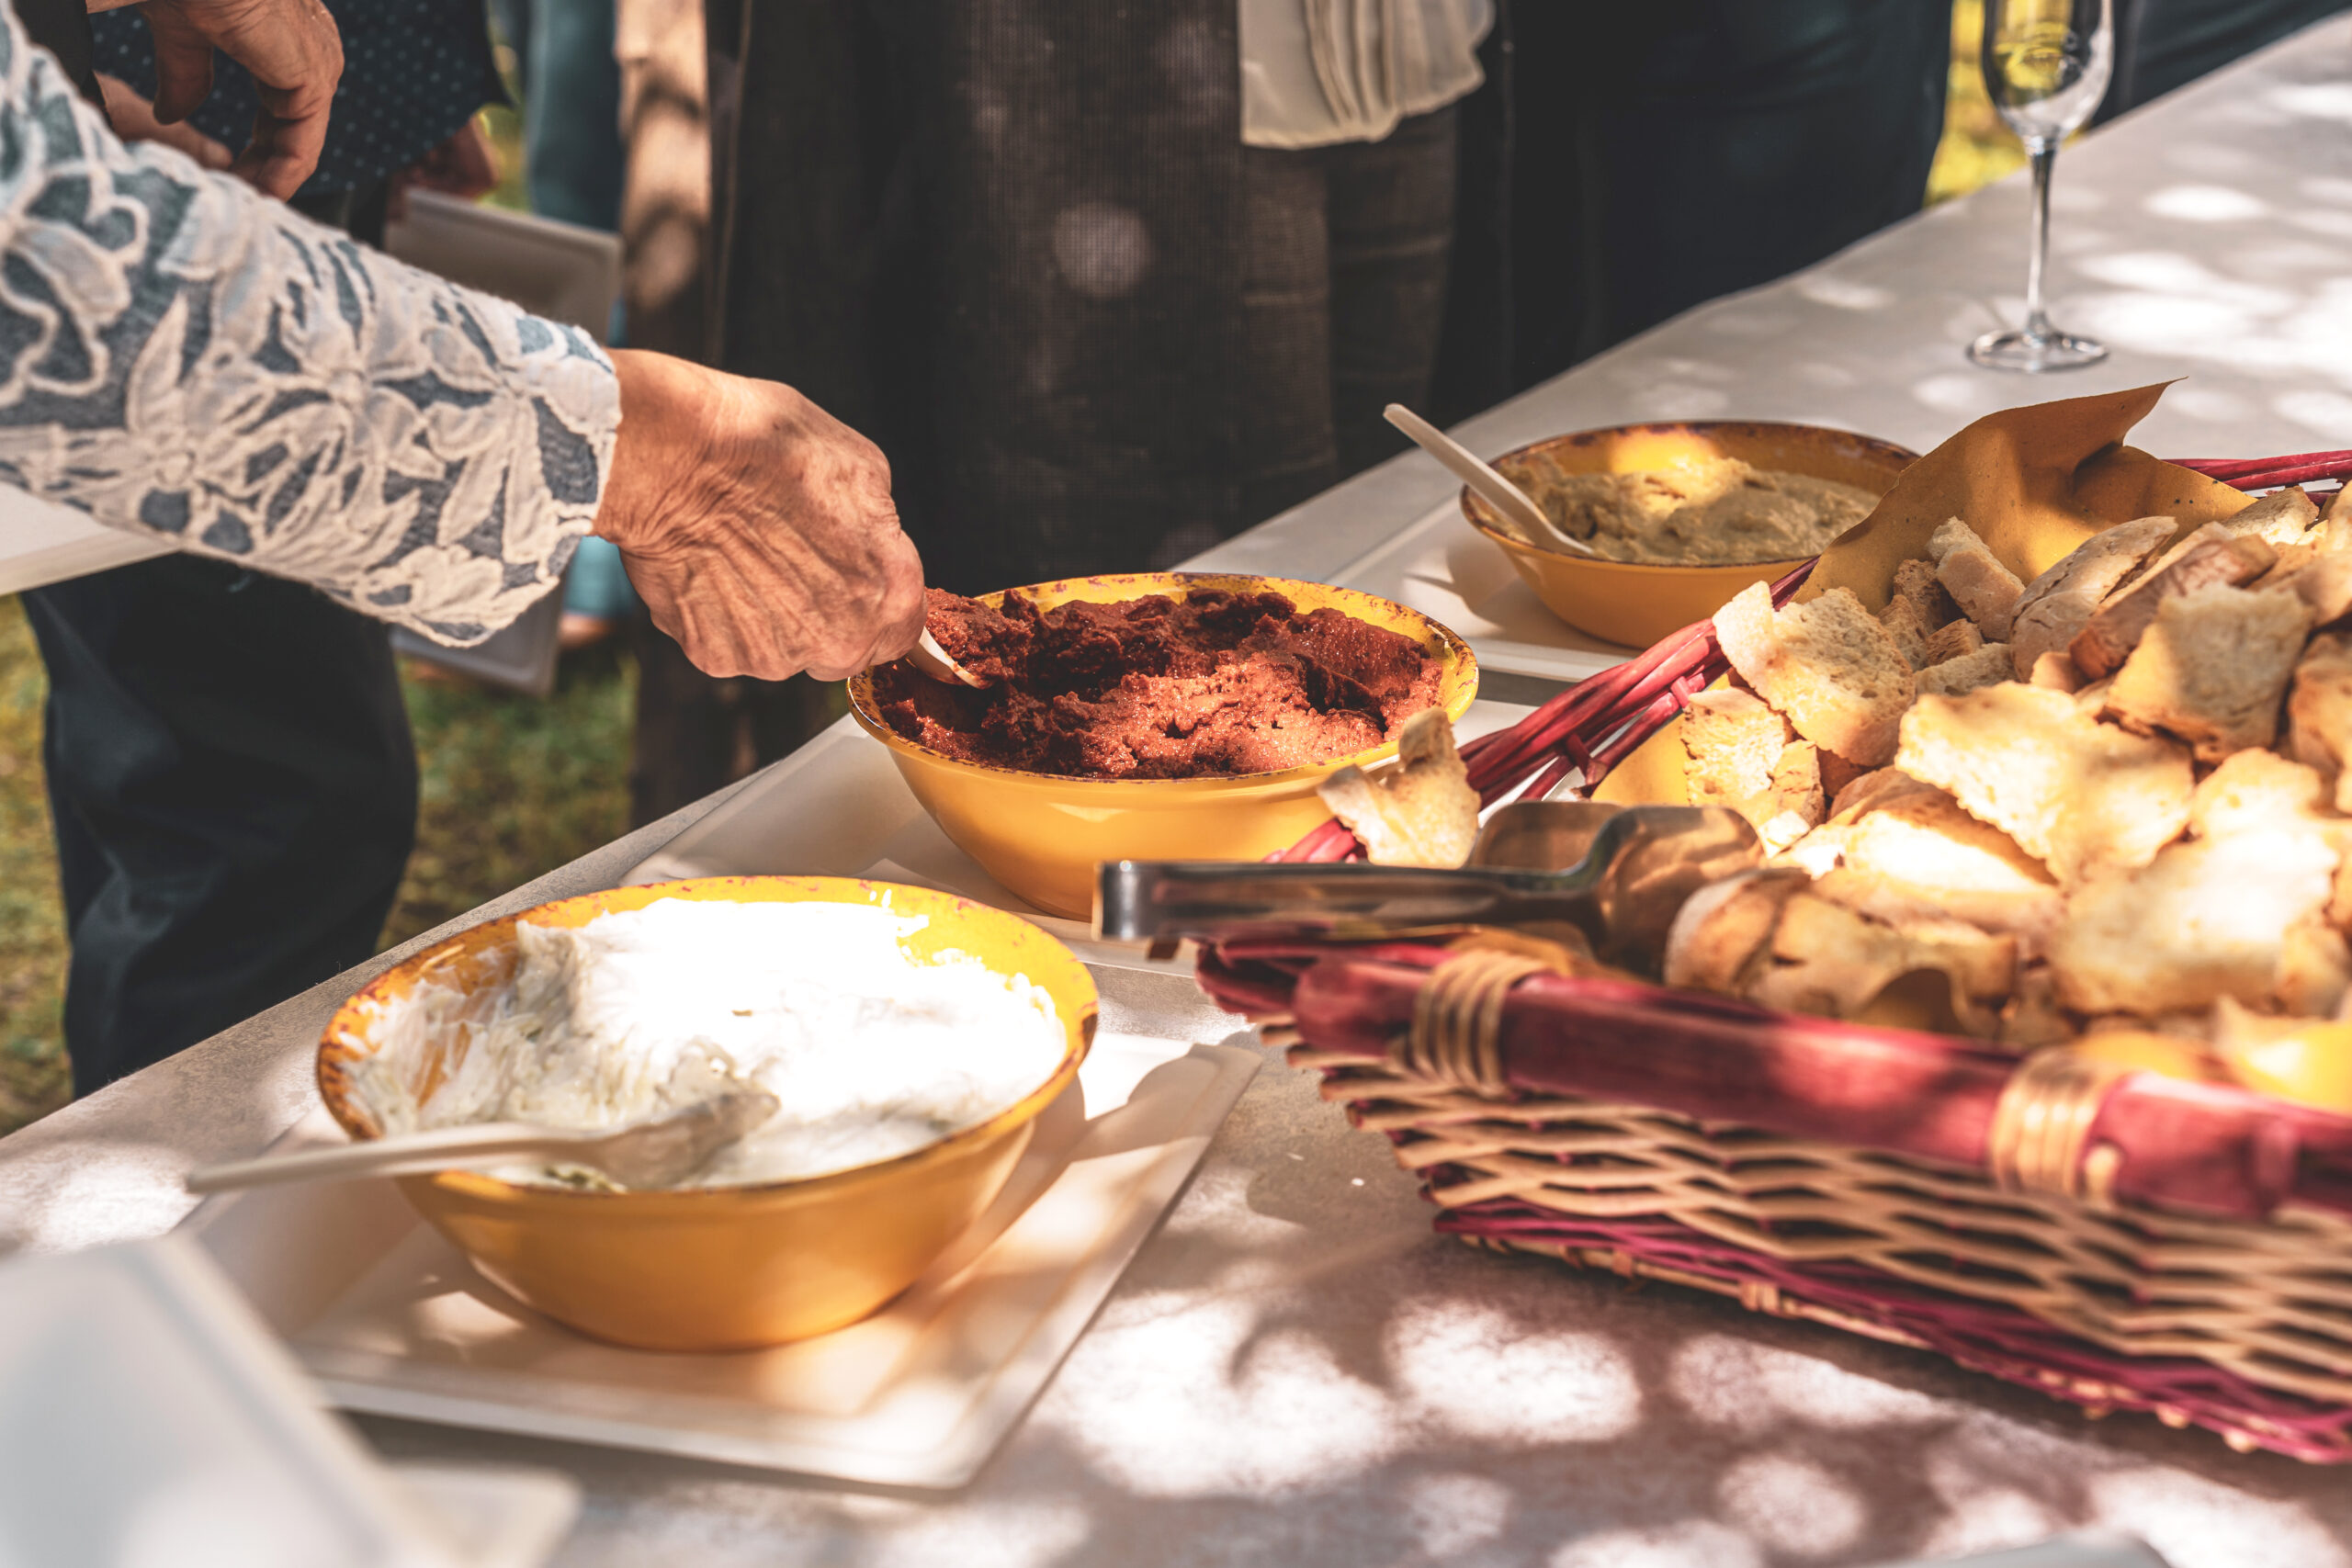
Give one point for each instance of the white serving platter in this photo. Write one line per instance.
(1446, 570)
(838, 807)
(389, 1319)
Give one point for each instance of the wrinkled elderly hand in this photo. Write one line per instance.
(295, 54)
(758, 528)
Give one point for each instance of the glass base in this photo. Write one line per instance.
(2034, 353)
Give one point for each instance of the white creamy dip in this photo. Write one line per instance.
(644, 1012)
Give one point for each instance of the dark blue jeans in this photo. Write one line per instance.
(234, 791)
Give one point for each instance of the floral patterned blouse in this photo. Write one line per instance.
(182, 357)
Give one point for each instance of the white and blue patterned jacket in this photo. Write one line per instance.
(182, 357)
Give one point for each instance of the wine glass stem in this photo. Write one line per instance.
(2043, 154)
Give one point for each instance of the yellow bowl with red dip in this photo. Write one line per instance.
(1042, 834)
(702, 1268)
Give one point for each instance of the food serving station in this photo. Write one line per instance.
(1223, 1329)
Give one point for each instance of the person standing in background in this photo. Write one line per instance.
(1624, 164)
(228, 751)
(1107, 284)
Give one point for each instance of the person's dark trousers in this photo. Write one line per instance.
(1624, 164)
(234, 787)
(2163, 44)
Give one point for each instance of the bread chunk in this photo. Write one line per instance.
(1791, 805)
(1721, 934)
(1952, 641)
(2212, 668)
(1827, 664)
(2055, 671)
(1873, 790)
(1921, 857)
(1985, 591)
(2319, 714)
(2280, 518)
(2258, 791)
(2115, 628)
(2056, 605)
(1988, 666)
(1422, 812)
(2206, 919)
(2033, 1017)
(2075, 794)
(1827, 958)
(2322, 580)
(1732, 740)
(1915, 581)
(1909, 629)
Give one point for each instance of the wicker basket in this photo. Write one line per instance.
(2115, 1240)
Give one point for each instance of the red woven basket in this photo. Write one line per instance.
(2119, 1240)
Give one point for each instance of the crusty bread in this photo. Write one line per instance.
(1422, 812)
(2035, 1017)
(2115, 628)
(1953, 641)
(2314, 973)
(1828, 958)
(2319, 714)
(2074, 793)
(1985, 591)
(1791, 805)
(2258, 791)
(2321, 578)
(1722, 932)
(2055, 671)
(2212, 667)
(1882, 788)
(2281, 517)
(1909, 629)
(1730, 740)
(1827, 664)
(1915, 581)
(2206, 919)
(1989, 665)
(1921, 857)
(2055, 607)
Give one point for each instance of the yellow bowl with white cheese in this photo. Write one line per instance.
(1636, 603)
(702, 1268)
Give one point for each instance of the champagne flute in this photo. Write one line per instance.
(2046, 66)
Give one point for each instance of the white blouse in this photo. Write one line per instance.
(184, 358)
(1318, 71)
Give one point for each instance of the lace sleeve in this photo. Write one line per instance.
(182, 357)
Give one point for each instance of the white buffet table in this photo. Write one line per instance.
(1294, 1369)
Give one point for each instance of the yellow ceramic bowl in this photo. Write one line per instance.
(1636, 604)
(726, 1267)
(1042, 835)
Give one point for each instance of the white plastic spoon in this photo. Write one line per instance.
(931, 659)
(1499, 493)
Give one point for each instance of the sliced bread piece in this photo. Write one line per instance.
(1873, 790)
(1953, 641)
(1724, 932)
(1730, 740)
(1422, 812)
(1909, 629)
(1791, 804)
(1987, 666)
(2212, 668)
(1922, 857)
(2323, 580)
(1985, 591)
(2206, 919)
(2115, 628)
(1826, 957)
(1915, 581)
(2319, 714)
(2281, 517)
(2056, 605)
(2075, 794)
(2055, 671)
(1826, 663)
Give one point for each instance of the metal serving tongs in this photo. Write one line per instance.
(1618, 874)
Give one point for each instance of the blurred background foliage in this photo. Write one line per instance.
(514, 787)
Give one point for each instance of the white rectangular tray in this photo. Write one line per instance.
(1443, 568)
(391, 1319)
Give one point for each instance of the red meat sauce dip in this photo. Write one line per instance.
(1211, 685)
